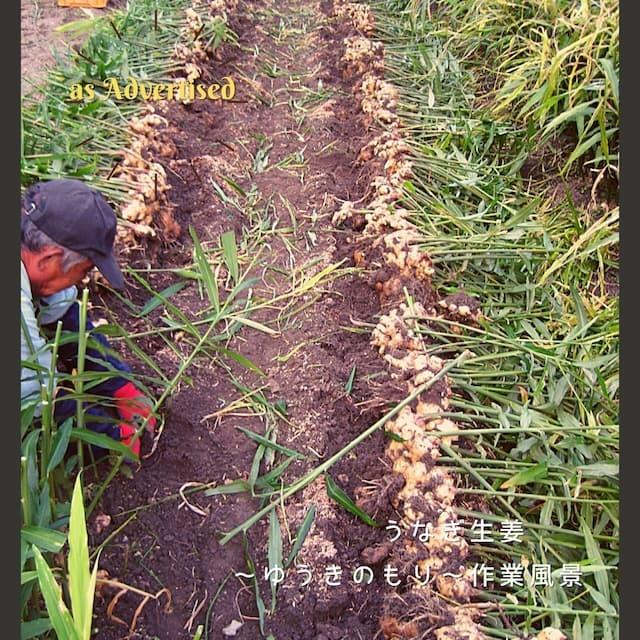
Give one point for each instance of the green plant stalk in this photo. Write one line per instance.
(78, 381)
(47, 421)
(215, 597)
(534, 496)
(24, 492)
(111, 536)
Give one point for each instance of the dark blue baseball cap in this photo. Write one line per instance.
(77, 218)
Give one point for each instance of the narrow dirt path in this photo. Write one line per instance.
(289, 141)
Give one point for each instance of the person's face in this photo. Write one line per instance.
(47, 275)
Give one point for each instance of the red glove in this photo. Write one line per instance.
(131, 402)
(126, 435)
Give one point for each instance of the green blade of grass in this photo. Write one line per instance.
(230, 254)
(100, 440)
(272, 445)
(237, 486)
(78, 562)
(59, 615)
(254, 580)
(339, 496)
(208, 277)
(60, 444)
(239, 358)
(348, 387)
(255, 325)
(270, 478)
(45, 539)
(160, 298)
(34, 628)
(301, 534)
(536, 472)
(274, 554)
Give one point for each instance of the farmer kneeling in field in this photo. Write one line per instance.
(67, 229)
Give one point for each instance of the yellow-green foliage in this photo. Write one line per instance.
(554, 63)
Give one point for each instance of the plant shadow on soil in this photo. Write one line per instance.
(166, 547)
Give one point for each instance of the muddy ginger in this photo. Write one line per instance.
(398, 170)
(464, 628)
(394, 629)
(388, 145)
(360, 15)
(417, 447)
(362, 54)
(382, 217)
(428, 491)
(192, 70)
(406, 255)
(404, 423)
(441, 485)
(445, 425)
(550, 633)
(414, 474)
(343, 214)
(193, 55)
(455, 588)
(413, 362)
(384, 190)
(147, 203)
(397, 330)
(145, 125)
(194, 21)
(379, 99)
(393, 148)
(135, 211)
(377, 90)
(420, 507)
(464, 307)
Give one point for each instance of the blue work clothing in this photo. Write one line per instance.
(39, 321)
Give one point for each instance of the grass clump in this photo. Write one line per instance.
(550, 67)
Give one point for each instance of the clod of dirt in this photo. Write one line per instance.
(232, 628)
(393, 629)
(376, 554)
(101, 522)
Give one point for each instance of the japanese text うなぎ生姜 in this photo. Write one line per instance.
(480, 531)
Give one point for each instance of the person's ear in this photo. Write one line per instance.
(48, 259)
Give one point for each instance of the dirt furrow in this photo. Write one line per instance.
(289, 141)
